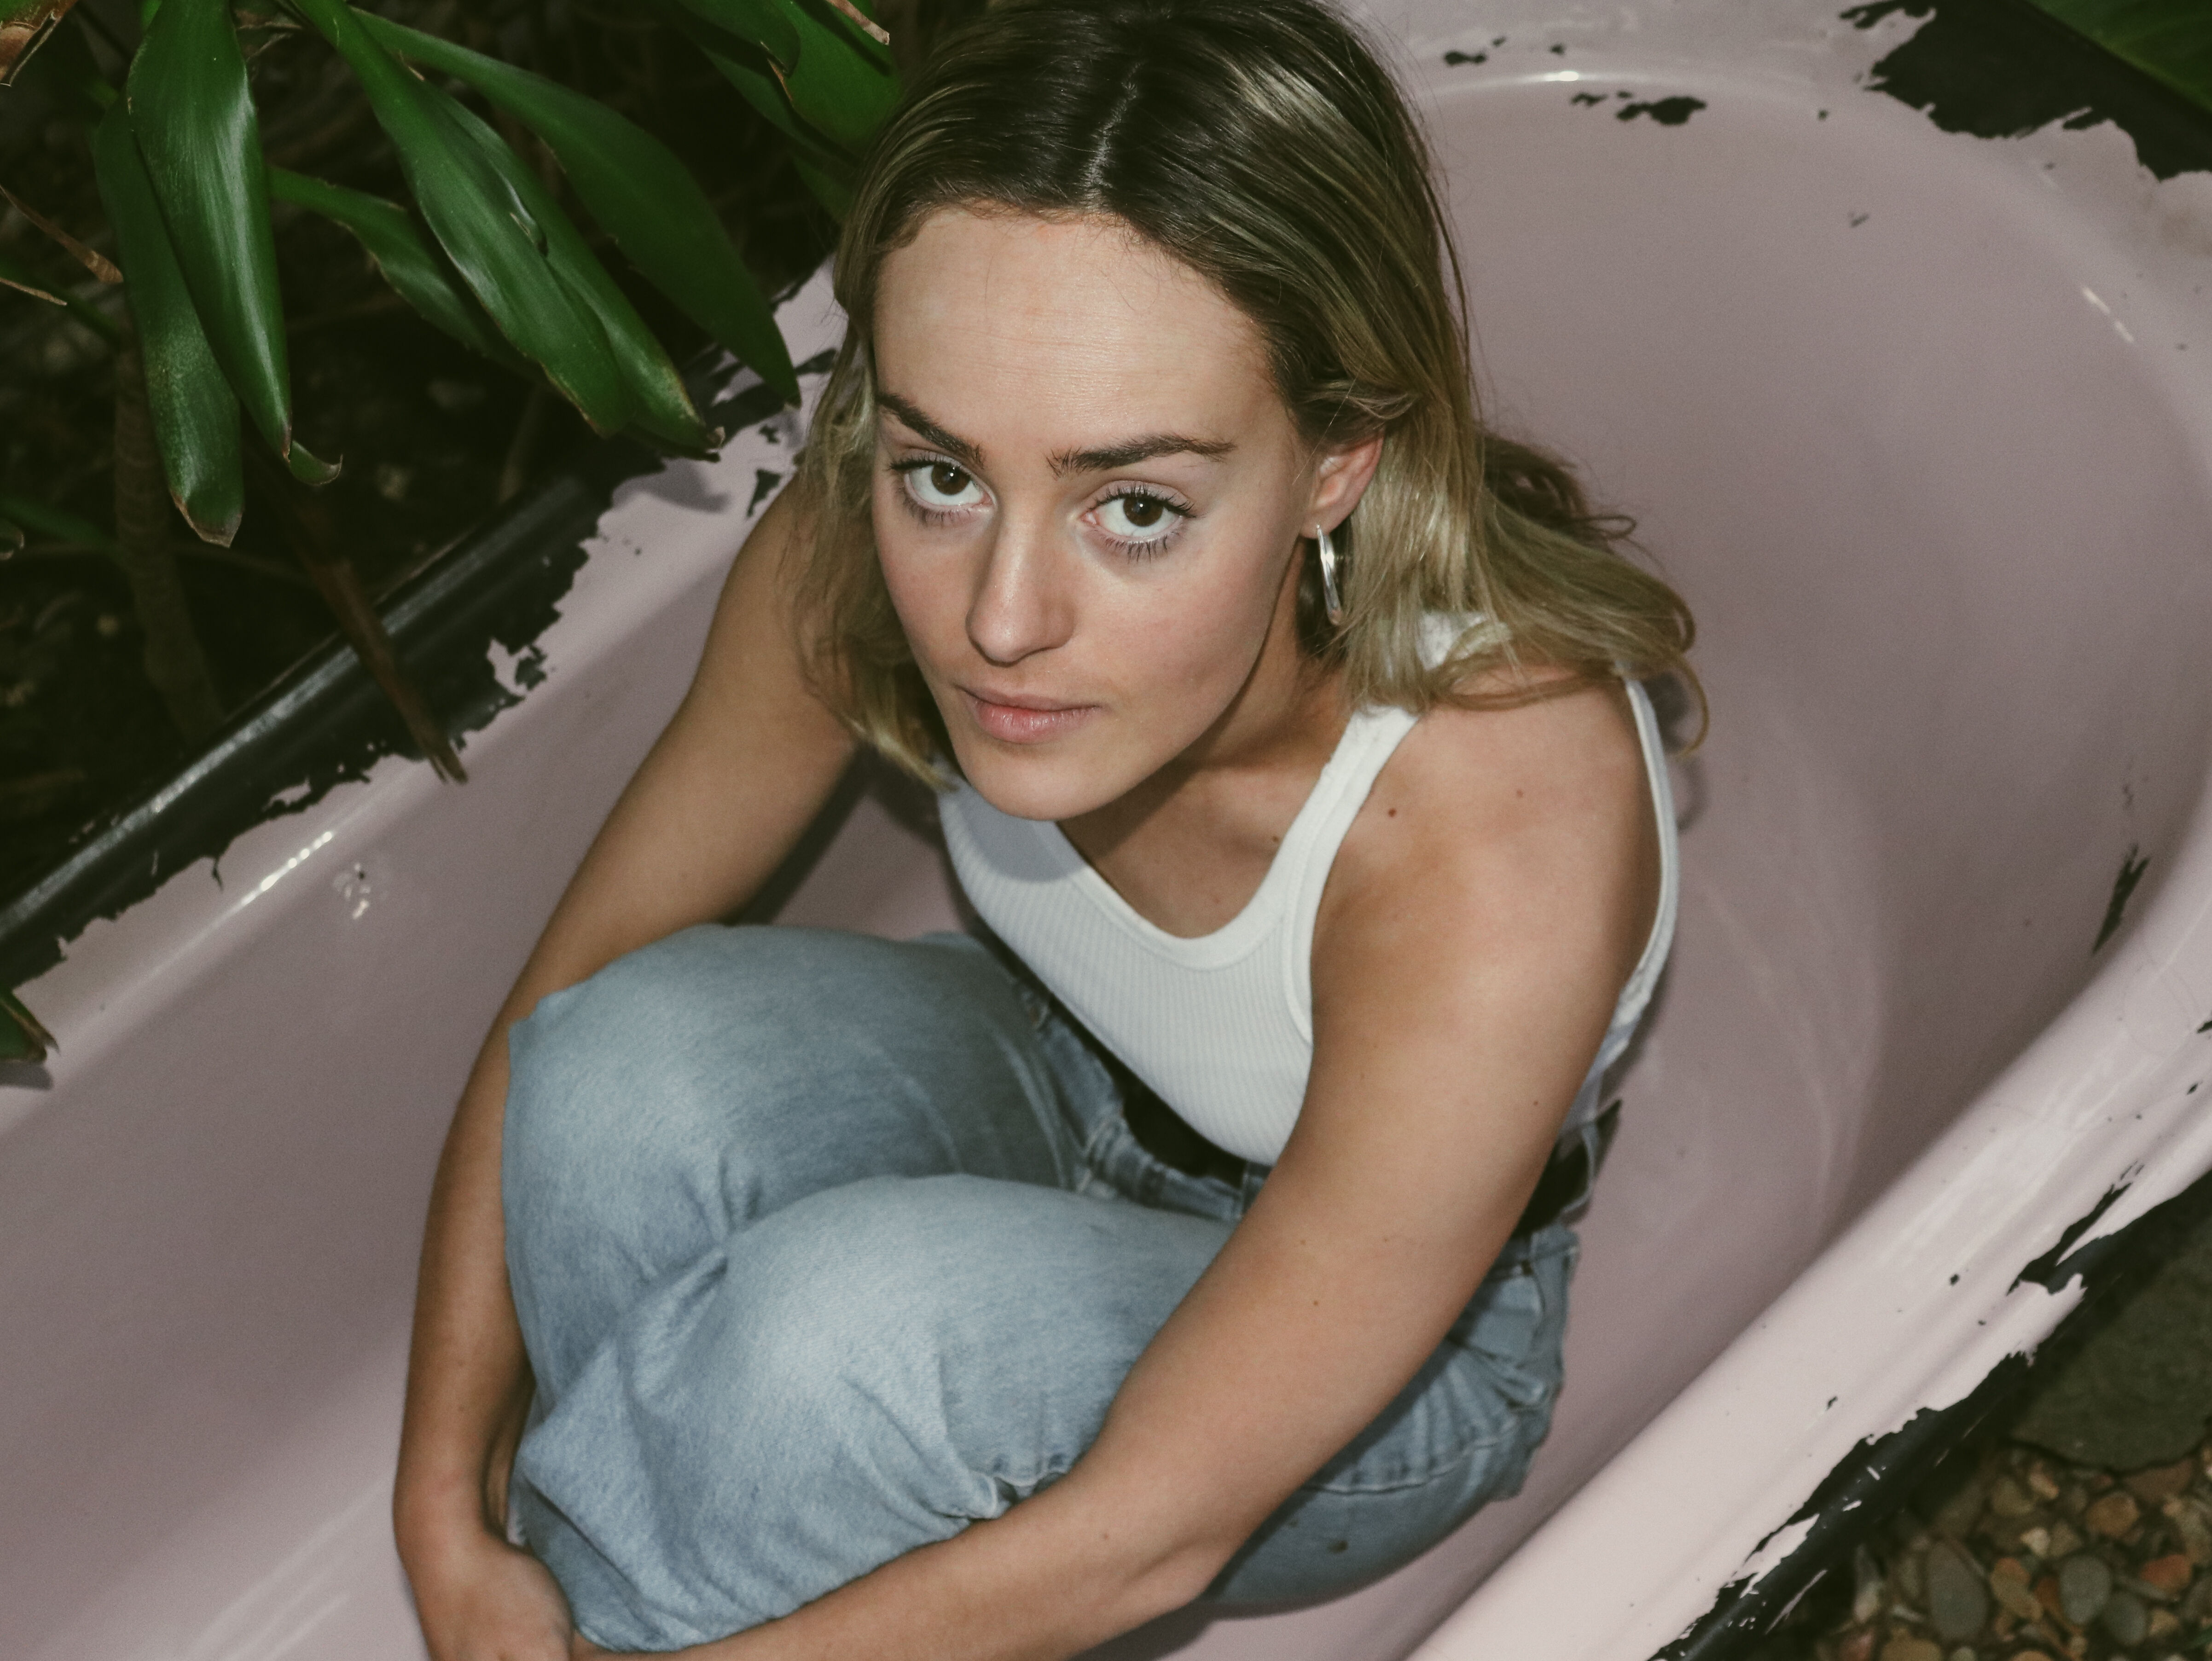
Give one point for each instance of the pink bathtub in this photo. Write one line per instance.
(1921, 422)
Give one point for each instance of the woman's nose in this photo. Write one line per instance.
(1023, 604)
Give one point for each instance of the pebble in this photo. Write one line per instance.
(2127, 1618)
(1869, 1592)
(1958, 1601)
(2084, 1583)
(2170, 1575)
(1908, 1648)
(2009, 1500)
(1859, 1646)
(2037, 1540)
(2192, 1521)
(2164, 1623)
(2008, 1585)
(2159, 1484)
(2112, 1514)
(2064, 1541)
(2046, 1488)
(1957, 1514)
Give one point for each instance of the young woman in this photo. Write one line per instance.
(1202, 1231)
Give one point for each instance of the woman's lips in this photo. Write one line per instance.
(1024, 721)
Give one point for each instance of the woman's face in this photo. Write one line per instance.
(1088, 501)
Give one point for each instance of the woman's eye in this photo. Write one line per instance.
(940, 485)
(1136, 517)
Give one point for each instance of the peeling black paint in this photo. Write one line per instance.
(2123, 886)
(1667, 112)
(1869, 1483)
(2000, 69)
(764, 480)
(1588, 98)
(1455, 58)
(2042, 1270)
(326, 723)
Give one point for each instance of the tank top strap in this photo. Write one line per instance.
(1371, 738)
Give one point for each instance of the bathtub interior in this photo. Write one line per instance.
(1896, 417)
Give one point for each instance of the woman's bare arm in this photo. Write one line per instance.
(749, 757)
(1477, 926)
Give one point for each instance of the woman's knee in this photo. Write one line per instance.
(668, 1051)
(952, 1331)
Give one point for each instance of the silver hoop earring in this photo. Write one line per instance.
(1332, 597)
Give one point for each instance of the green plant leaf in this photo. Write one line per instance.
(22, 1036)
(58, 522)
(11, 538)
(825, 170)
(664, 409)
(195, 414)
(636, 188)
(484, 227)
(843, 84)
(2172, 39)
(193, 116)
(407, 259)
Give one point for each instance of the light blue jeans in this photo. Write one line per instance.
(825, 1247)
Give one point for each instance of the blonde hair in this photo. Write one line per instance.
(1260, 143)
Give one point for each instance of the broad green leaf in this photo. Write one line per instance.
(55, 522)
(195, 414)
(634, 187)
(843, 84)
(194, 120)
(2170, 39)
(822, 166)
(483, 226)
(408, 259)
(664, 409)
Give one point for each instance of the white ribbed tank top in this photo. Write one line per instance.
(1221, 1026)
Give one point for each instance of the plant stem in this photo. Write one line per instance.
(306, 524)
(174, 661)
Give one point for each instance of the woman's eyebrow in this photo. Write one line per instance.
(1128, 454)
(1104, 459)
(960, 450)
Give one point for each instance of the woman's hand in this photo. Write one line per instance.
(488, 1601)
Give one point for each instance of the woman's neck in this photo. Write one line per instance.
(1189, 846)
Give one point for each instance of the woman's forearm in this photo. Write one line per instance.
(468, 1382)
(1055, 1576)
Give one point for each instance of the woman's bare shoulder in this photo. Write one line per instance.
(1519, 821)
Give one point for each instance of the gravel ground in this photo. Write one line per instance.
(2078, 1530)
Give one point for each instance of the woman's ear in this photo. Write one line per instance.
(1341, 479)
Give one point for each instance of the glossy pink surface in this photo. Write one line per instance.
(1919, 423)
